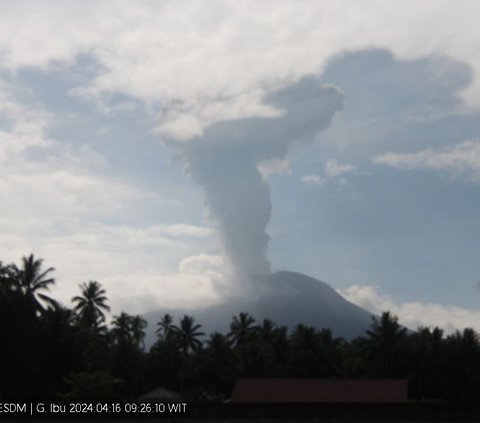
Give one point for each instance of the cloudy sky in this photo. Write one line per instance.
(162, 147)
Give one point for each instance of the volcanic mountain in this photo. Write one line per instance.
(287, 298)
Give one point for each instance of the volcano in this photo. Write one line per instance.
(287, 298)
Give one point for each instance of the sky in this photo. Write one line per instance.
(164, 148)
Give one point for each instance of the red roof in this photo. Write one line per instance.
(320, 390)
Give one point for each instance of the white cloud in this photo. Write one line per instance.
(198, 282)
(368, 297)
(462, 159)
(133, 264)
(62, 206)
(60, 182)
(44, 178)
(314, 180)
(207, 61)
(334, 169)
(413, 314)
(63, 192)
(25, 126)
(192, 63)
(186, 120)
(333, 172)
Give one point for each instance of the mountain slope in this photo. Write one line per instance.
(296, 298)
(287, 298)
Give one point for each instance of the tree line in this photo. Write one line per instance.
(48, 350)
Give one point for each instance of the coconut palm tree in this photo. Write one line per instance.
(386, 344)
(304, 355)
(32, 280)
(424, 364)
(91, 304)
(137, 326)
(188, 333)
(241, 327)
(127, 334)
(267, 330)
(219, 363)
(164, 326)
(121, 329)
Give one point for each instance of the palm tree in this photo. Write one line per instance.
(267, 330)
(121, 330)
(32, 279)
(137, 326)
(425, 362)
(385, 344)
(387, 329)
(219, 365)
(127, 334)
(463, 349)
(188, 333)
(164, 326)
(59, 340)
(304, 354)
(241, 327)
(331, 352)
(91, 304)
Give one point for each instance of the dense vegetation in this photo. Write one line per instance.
(48, 350)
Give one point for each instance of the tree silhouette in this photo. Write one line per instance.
(218, 364)
(188, 334)
(127, 334)
(463, 351)
(21, 361)
(164, 326)
(8, 282)
(304, 354)
(32, 280)
(121, 329)
(91, 305)
(138, 325)
(386, 345)
(267, 329)
(241, 326)
(165, 360)
(47, 350)
(426, 356)
(59, 339)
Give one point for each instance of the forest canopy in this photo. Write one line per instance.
(51, 350)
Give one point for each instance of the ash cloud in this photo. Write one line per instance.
(225, 161)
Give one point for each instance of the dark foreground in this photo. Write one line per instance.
(261, 412)
(336, 412)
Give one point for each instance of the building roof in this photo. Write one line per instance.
(320, 390)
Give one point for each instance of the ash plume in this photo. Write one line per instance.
(225, 161)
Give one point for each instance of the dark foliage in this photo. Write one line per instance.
(52, 351)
